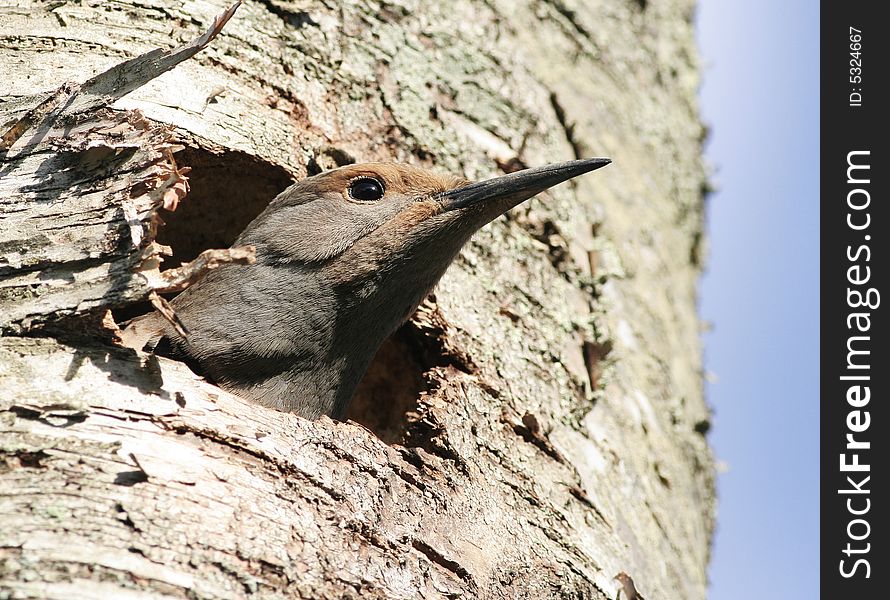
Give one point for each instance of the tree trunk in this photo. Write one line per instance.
(536, 428)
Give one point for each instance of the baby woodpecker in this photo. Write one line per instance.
(342, 259)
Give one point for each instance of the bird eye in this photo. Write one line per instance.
(366, 189)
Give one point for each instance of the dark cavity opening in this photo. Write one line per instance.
(227, 191)
(388, 393)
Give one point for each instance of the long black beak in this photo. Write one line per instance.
(520, 185)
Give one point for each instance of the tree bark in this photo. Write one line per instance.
(536, 428)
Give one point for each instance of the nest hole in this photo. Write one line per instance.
(227, 191)
(388, 393)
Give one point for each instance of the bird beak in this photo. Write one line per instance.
(518, 186)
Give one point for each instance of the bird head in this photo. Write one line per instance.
(368, 220)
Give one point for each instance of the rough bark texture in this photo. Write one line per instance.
(536, 428)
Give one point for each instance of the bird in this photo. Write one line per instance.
(343, 258)
(627, 584)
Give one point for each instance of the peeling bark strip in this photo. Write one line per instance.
(113, 84)
(87, 169)
(38, 114)
(545, 411)
(122, 79)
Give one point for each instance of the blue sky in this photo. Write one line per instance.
(761, 292)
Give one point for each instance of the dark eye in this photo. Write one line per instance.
(366, 189)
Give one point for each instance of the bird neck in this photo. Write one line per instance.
(299, 337)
